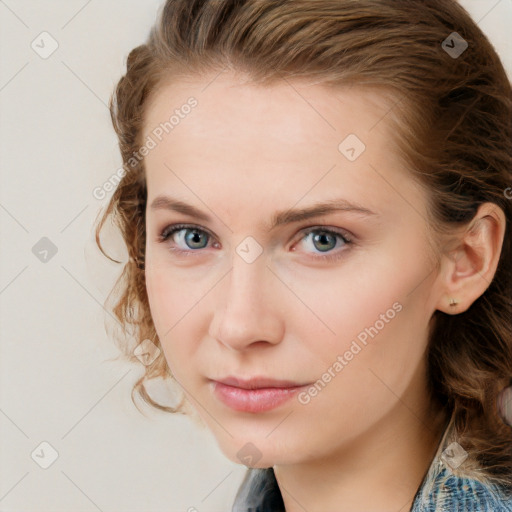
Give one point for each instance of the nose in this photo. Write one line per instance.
(247, 307)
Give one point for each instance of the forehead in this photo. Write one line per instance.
(288, 139)
(279, 115)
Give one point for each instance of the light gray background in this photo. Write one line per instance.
(57, 383)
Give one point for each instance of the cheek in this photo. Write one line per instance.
(371, 319)
(166, 303)
(172, 295)
(161, 298)
(182, 304)
(346, 302)
(359, 382)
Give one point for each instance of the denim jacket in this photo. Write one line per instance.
(442, 490)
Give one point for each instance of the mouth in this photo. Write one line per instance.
(254, 395)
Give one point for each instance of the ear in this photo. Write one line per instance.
(468, 268)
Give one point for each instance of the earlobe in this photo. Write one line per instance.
(454, 302)
(470, 268)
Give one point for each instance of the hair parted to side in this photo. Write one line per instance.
(454, 133)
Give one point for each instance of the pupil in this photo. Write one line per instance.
(195, 237)
(322, 239)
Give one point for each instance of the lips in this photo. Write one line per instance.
(258, 394)
(258, 383)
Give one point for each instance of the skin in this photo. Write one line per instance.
(244, 153)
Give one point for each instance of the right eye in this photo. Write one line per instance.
(188, 237)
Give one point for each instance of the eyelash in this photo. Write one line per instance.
(168, 231)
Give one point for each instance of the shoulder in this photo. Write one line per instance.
(451, 493)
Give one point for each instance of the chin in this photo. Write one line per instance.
(259, 452)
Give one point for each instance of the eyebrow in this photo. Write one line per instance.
(278, 219)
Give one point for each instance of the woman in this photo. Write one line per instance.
(316, 210)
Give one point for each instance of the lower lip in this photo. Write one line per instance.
(253, 400)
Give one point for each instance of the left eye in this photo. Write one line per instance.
(325, 239)
(192, 238)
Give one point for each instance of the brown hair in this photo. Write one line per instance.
(454, 134)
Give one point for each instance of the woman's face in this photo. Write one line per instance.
(258, 285)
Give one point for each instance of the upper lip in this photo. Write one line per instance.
(258, 382)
